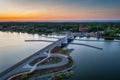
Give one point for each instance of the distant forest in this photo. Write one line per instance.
(109, 28)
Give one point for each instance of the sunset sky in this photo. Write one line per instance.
(59, 10)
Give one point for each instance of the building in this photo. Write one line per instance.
(83, 29)
(118, 35)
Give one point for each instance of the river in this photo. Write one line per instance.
(13, 47)
(95, 64)
(90, 63)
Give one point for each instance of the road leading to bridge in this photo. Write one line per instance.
(18, 68)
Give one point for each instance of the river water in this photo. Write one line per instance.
(90, 63)
(95, 64)
(13, 47)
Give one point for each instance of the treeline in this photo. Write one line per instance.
(50, 27)
(109, 29)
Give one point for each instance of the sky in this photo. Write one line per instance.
(13, 10)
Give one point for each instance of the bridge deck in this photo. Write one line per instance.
(19, 67)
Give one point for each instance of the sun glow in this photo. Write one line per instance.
(57, 10)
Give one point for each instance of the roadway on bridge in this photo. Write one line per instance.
(19, 68)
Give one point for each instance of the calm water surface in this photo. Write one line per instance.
(13, 47)
(90, 63)
(94, 64)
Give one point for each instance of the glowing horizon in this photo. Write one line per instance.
(59, 10)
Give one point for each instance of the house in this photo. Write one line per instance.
(83, 29)
(118, 35)
(1, 27)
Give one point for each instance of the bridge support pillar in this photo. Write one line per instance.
(48, 51)
(65, 42)
(71, 38)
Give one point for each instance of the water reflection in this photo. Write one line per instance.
(13, 47)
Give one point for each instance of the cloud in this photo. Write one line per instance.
(61, 9)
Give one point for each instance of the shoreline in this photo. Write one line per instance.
(49, 73)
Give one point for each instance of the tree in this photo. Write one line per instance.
(109, 33)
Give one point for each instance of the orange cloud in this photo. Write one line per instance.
(47, 15)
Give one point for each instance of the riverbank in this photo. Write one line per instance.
(39, 73)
